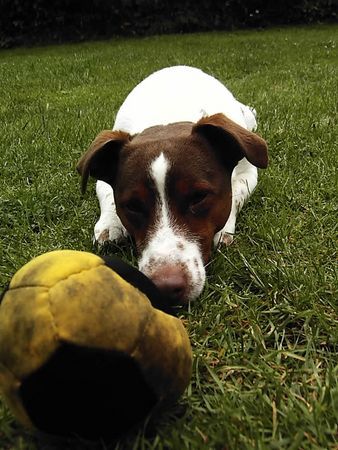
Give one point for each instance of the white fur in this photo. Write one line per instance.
(167, 245)
(177, 94)
(171, 95)
(243, 183)
(158, 172)
(109, 226)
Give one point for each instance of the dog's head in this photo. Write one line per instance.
(172, 188)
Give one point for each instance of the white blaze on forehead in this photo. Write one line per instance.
(168, 245)
(158, 172)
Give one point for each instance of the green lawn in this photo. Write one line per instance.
(265, 331)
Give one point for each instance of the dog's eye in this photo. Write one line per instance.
(198, 202)
(135, 207)
(198, 197)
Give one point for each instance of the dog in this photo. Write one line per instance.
(173, 173)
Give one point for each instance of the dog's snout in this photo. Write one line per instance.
(172, 283)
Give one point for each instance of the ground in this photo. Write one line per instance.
(265, 330)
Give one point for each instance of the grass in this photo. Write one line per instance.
(265, 330)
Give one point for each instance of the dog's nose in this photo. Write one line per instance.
(172, 283)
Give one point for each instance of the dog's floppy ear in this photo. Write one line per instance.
(100, 160)
(232, 141)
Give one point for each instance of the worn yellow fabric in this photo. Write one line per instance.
(49, 268)
(165, 355)
(10, 390)
(71, 296)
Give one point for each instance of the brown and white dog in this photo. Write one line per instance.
(173, 174)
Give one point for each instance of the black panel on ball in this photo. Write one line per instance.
(86, 392)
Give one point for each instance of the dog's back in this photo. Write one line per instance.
(179, 94)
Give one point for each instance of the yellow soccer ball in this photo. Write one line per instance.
(83, 351)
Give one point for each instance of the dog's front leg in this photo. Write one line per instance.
(243, 183)
(109, 226)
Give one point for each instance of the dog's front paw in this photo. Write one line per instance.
(227, 239)
(224, 238)
(106, 231)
